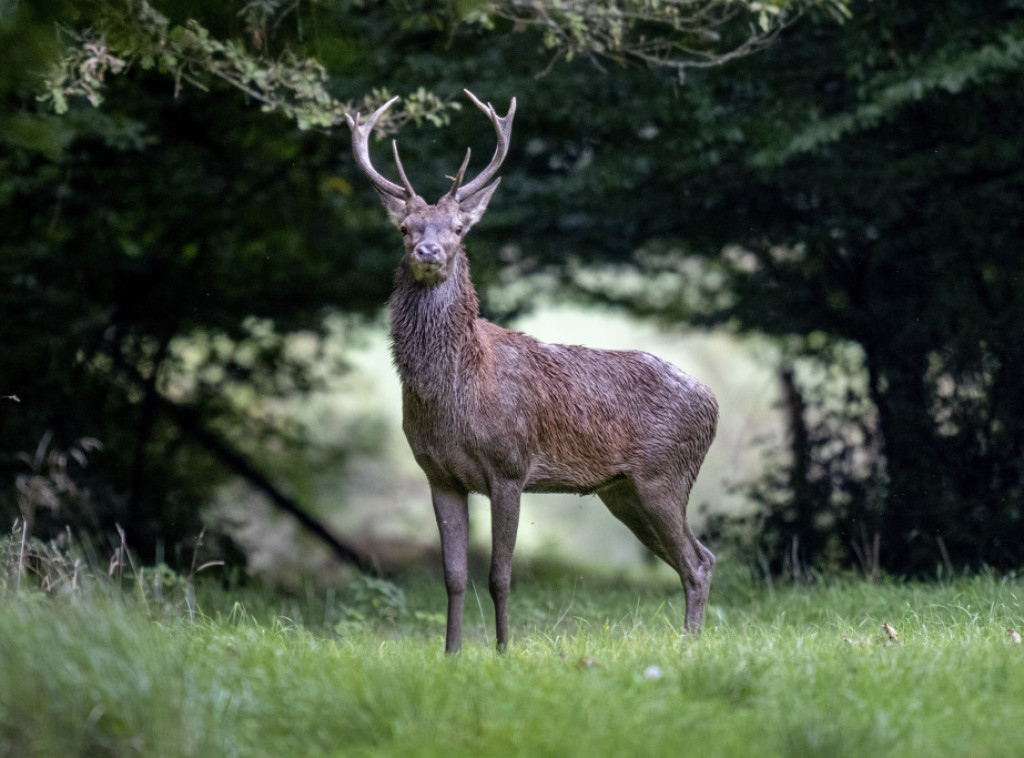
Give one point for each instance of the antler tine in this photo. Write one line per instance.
(361, 149)
(401, 171)
(503, 127)
(457, 182)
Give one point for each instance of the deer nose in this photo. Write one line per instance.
(428, 252)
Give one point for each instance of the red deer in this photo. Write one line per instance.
(493, 411)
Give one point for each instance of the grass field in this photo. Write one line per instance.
(598, 666)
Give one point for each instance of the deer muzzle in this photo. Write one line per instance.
(429, 263)
(428, 253)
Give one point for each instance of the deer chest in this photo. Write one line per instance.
(459, 447)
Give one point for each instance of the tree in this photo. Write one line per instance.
(157, 254)
(164, 257)
(163, 238)
(854, 189)
(254, 51)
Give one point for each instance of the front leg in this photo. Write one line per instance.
(451, 509)
(504, 526)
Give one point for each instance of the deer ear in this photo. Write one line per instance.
(396, 208)
(473, 207)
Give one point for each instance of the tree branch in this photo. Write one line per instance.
(188, 421)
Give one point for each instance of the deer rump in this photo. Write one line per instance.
(559, 418)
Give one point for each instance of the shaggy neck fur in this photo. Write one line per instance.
(433, 329)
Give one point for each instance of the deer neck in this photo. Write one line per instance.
(433, 330)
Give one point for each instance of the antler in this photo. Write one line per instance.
(361, 149)
(503, 126)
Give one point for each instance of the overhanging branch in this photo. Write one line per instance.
(188, 421)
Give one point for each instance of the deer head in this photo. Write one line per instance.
(432, 234)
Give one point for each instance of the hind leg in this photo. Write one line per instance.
(663, 501)
(622, 500)
(695, 570)
(654, 509)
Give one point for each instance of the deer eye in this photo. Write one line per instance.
(404, 229)
(458, 229)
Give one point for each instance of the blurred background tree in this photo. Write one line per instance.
(165, 241)
(852, 194)
(849, 191)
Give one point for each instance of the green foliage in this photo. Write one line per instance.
(164, 241)
(162, 256)
(675, 34)
(259, 54)
(853, 190)
(158, 253)
(606, 671)
(259, 65)
(903, 216)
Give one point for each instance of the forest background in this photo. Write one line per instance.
(193, 271)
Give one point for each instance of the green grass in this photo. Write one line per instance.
(798, 671)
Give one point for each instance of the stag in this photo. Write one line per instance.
(493, 411)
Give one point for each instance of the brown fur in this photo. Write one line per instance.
(493, 411)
